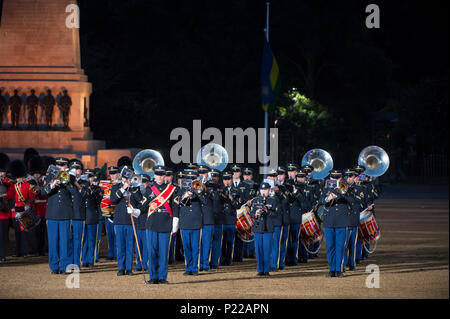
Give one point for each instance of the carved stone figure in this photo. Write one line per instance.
(32, 105)
(49, 102)
(15, 103)
(65, 103)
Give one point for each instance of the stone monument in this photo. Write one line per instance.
(40, 52)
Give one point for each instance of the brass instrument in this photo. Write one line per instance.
(63, 177)
(320, 160)
(214, 156)
(136, 180)
(375, 160)
(338, 187)
(145, 160)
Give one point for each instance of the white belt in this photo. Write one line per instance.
(37, 201)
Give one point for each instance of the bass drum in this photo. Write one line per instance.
(106, 206)
(244, 224)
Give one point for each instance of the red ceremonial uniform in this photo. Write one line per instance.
(40, 201)
(27, 191)
(10, 186)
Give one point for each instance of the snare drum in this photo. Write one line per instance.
(28, 219)
(106, 206)
(309, 230)
(368, 228)
(244, 224)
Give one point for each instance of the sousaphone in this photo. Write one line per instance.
(145, 160)
(320, 160)
(375, 160)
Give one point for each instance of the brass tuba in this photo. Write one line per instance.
(320, 160)
(145, 160)
(375, 160)
(214, 156)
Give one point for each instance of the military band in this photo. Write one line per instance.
(191, 215)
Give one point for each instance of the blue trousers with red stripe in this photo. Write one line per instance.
(58, 244)
(336, 239)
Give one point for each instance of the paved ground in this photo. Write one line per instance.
(412, 255)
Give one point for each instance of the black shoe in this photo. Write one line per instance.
(351, 268)
(90, 266)
(187, 273)
(357, 261)
(201, 269)
(138, 269)
(339, 274)
(163, 281)
(152, 282)
(129, 273)
(260, 274)
(3, 259)
(120, 273)
(194, 273)
(109, 258)
(331, 274)
(273, 270)
(85, 265)
(281, 268)
(213, 267)
(55, 272)
(266, 274)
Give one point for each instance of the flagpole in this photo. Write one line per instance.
(266, 113)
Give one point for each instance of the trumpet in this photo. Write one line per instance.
(63, 177)
(198, 187)
(136, 180)
(337, 187)
(193, 186)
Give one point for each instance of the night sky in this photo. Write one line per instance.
(157, 65)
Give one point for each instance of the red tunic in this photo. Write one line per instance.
(7, 182)
(40, 202)
(27, 191)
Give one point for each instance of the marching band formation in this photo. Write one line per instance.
(205, 216)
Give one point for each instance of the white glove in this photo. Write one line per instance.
(174, 225)
(133, 212)
(136, 212)
(130, 210)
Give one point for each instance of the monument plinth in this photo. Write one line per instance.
(39, 52)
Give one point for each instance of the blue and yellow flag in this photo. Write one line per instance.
(270, 79)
